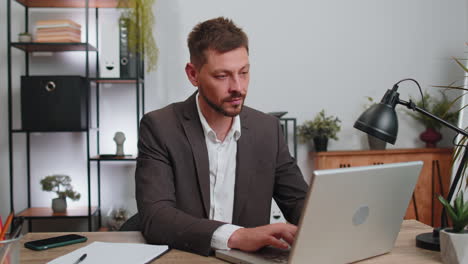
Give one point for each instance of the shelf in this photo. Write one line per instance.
(115, 158)
(116, 80)
(52, 47)
(46, 212)
(69, 3)
(48, 131)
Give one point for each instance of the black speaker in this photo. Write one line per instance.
(54, 103)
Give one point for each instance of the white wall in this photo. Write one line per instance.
(305, 56)
(313, 55)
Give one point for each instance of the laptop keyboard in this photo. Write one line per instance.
(275, 255)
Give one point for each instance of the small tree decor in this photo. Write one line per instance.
(61, 185)
(320, 130)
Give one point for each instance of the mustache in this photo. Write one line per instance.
(234, 96)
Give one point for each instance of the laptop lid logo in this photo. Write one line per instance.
(361, 214)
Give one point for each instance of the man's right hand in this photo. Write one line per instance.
(252, 239)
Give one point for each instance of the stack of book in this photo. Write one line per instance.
(63, 30)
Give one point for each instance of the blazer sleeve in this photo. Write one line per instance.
(161, 221)
(290, 189)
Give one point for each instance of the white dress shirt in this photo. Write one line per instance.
(222, 162)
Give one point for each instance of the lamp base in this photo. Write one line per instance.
(429, 241)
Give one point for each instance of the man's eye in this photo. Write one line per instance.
(245, 72)
(220, 76)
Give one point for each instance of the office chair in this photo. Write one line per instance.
(132, 224)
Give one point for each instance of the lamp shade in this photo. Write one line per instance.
(380, 121)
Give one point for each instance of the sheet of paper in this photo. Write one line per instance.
(104, 252)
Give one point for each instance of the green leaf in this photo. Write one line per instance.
(452, 214)
(460, 64)
(459, 203)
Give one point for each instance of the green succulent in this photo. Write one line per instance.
(321, 126)
(53, 183)
(458, 213)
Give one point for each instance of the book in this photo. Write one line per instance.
(57, 26)
(57, 22)
(115, 253)
(58, 29)
(57, 34)
(58, 39)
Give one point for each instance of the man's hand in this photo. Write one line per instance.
(252, 239)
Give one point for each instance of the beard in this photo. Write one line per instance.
(219, 108)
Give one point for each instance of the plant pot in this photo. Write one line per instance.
(376, 143)
(320, 143)
(453, 247)
(431, 137)
(59, 205)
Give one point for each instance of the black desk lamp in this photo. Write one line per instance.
(381, 121)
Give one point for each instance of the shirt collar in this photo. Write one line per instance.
(235, 130)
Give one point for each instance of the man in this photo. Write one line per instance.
(208, 167)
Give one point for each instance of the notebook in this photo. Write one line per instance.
(115, 253)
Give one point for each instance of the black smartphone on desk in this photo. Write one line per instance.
(55, 242)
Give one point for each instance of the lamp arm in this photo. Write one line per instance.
(412, 106)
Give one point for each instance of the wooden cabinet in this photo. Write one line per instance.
(434, 178)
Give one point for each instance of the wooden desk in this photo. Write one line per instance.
(404, 251)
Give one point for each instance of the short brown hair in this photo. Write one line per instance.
(220, 34)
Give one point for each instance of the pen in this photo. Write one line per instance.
(1, 226)
(6, 226)
(80, 259)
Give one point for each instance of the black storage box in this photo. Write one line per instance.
(54, 103)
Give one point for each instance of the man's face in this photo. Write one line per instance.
(223, 80)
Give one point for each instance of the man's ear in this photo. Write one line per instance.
(192, 74)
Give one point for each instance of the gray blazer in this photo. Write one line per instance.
(172, 176)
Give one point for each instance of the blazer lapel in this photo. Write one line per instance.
(243, 171)
(196, 138)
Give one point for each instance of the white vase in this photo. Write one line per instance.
(454, 247)
(59, 205)
(376, 143)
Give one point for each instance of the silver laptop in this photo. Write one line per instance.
(350, 214)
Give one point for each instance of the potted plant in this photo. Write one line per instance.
(140, 18)
(61, 185)
(320, 130)
(374, 143)
(24, 37)
(454, 241)
(440, 108)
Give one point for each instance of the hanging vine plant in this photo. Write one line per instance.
(140, 18)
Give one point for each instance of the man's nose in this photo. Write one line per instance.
(235, 84)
